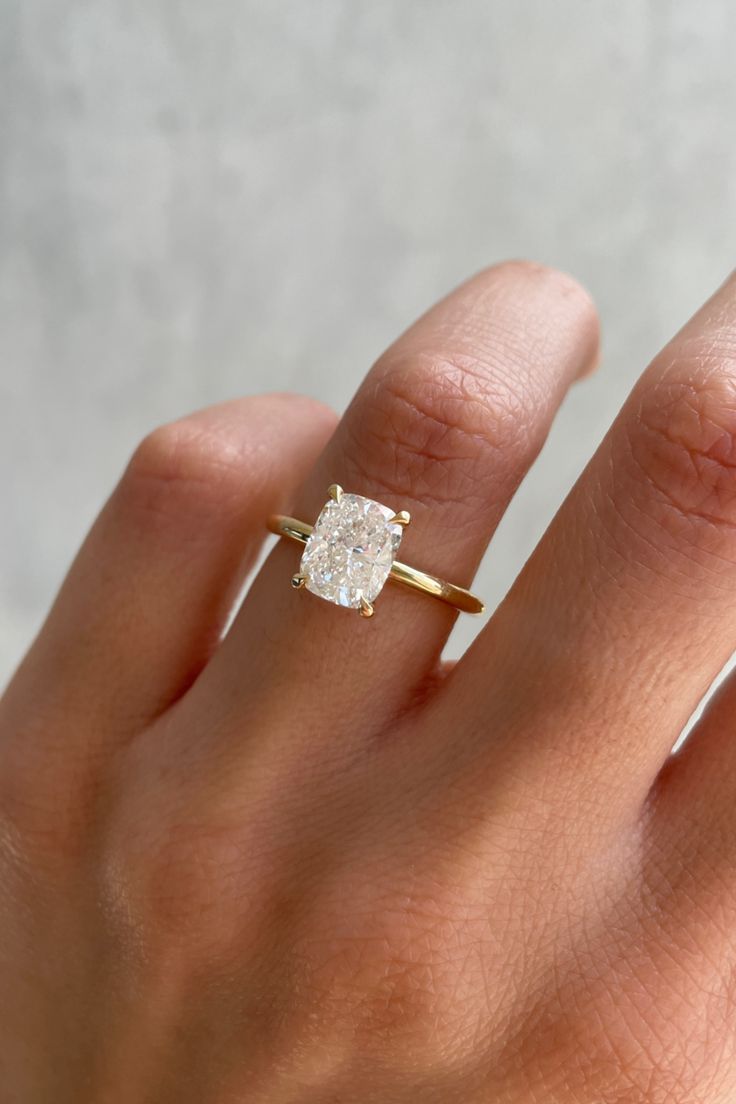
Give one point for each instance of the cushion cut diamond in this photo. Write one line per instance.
(351, 550)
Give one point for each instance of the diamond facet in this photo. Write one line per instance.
(349, 555)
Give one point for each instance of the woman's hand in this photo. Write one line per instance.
(303, 862)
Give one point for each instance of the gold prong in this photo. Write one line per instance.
(335, 492)
(366, 609)
(402, 518)
(298, 581)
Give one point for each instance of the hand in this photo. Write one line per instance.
(305, 862)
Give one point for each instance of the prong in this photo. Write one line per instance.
(335, 492)
(366, 609)
(402, 518)
(298, 581)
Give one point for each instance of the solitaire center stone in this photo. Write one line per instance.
(351, 550)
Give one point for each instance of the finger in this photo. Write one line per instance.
(623, 615)
(445, 426)
(146, 600)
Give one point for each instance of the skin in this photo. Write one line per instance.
(293, 858)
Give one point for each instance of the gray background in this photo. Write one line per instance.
(201, 200)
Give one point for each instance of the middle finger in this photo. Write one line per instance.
(623, 616)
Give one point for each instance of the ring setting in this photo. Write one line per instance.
(350, 554)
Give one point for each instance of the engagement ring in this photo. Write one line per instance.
(350, 553)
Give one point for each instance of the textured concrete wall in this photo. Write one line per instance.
(200, 200)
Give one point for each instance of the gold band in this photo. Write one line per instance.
(455, 596)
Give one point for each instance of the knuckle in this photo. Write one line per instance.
(174, 886)
(385, 971)
(439, 417)
(684, 443)
(182, 466)
(436, 422)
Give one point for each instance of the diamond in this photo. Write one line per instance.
(351, 550)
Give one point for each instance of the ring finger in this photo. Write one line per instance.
(445, 426)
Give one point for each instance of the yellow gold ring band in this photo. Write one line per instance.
(452, 595)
